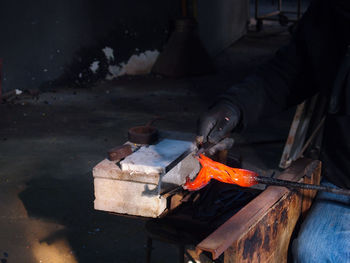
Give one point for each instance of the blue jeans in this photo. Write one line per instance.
(325, 234)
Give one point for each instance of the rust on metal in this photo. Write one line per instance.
(274, 208)
(265, 241)
(146, 134)
(295, 144)
(119, 152)
(285, 160)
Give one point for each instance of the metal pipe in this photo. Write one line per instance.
(256, 9)
(0, 80)
(184, 8)
(312, 136)
(149, 250)
(296, 185)
(299, 9)
(279, 5)
(195, 9)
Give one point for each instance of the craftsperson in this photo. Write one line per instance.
(317, 60)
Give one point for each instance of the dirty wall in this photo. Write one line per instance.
(42, 41)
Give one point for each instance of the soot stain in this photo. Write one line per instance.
(252, 244)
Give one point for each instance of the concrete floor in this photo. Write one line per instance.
(49, 146)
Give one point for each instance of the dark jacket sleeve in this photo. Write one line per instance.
(282, 82)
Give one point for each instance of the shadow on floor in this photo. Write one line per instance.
(93, 236)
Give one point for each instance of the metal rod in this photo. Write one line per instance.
(268, 15)
(299, 9)
(195, 9)
(149, 250)
(312, 136)
(181, 249)
(172, 191)
(184, 8)
(256, 9)
(296, 185)
(178, 160)
(0, 80)
(279, 5)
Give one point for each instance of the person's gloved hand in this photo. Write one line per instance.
(215, 125)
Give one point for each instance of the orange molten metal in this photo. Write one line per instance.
(218, 171)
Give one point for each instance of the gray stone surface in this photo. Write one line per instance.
(155, 158)
(126, 197)
(188, 167)
(135, 188)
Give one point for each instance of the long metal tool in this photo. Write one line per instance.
(295, 185)
(205, 147)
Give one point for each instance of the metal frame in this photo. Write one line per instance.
(281, 15)
(0, 80)
(298, 132)
(306, 131)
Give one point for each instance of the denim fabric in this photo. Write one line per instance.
(325, 234)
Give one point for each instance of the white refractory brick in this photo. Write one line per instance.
(155, 158)
(127, 197)
(188, 167)
(133, 186)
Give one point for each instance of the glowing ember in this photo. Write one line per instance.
(218, 171)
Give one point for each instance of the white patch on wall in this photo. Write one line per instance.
(140, 64)
(94, 66)
(113, 71)
(109, 53)
(18, 91)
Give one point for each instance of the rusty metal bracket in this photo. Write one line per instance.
(295, 146)
(261, 231)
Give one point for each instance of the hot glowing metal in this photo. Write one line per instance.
(218, 171)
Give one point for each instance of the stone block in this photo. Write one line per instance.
(127, 197)
(134, 185)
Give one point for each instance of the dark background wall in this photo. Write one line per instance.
(44, 40)
(221, 22)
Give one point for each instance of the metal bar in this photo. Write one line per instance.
(181, 255)
(172, 191)
(296, 185)
(0, 80)
(312, 136)
(256, 9)
(279, 5)
(184, 8)
(299, 9)
(205, 148)
(274, 13)
(285, 159)
(178, 160)
(195, 9)
(290, 12)
(277, 19)
(149, 250)
(235, 228)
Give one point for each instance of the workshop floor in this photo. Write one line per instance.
(49, 146)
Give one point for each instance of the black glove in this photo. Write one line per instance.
(217, 123)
